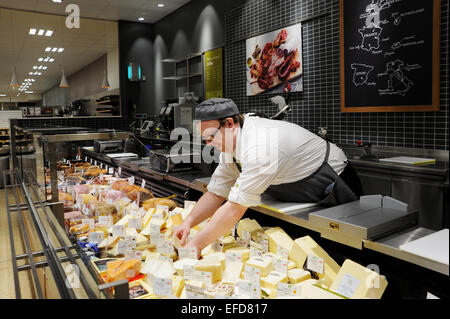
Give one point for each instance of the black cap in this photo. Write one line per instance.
(215, 108)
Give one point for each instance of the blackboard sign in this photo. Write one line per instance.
(389, 55)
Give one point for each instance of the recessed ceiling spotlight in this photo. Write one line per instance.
(41, 59)
(48, 33)
(48, 49)
(35, 67)
(39, 73)
(31, 73)
(40, 67)
(41, 32)
(160, 5)
(54, 49)
(2, 94)
(141, 19)
(44, 68)
(32, 31)
(60, 50)
(51, 60)
(29, 92)
(57, 1)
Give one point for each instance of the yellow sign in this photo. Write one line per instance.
(214, 73)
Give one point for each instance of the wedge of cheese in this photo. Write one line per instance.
(122, 222)
(177, 285)
(153, 221)
(179, 265)
(315, 292)
(122, 269)
(272, 279)
(297, 275)
(251, 226)
(265, 265)
(217, 257)
(357, 282)
(305, 246)
(147, 217)
(242, 252)
(108, 242)
(291, 264)
(278, 239)
(233, 272)
(212, 265)
(228, 243)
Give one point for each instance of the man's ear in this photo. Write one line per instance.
(229, 123)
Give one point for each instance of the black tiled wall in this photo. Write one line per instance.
(118, 123)
(319, 104)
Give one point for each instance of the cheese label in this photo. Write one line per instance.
(193, 292)
(119, 231)
(89, 222)
(131, 180)
(232, 257)
(347, 286)
(246, 235)
(130, 255)
(111, 171)
(252, 274)
(203, 276)
(189, 203)
(85, 159)
(123, 247)
(120, 171)
(155, 231)
(280, 265)
(255, 252)
(96, 237)
(218, 245)
(263, 240)
(143, 183)
(315, 264)
(162, 286)
(131, 240)
(138, 255)
(284, 289)
(250, 289)
(105, 221)
(242, 242)
(187, 253)
(95, 163)
(188, 272)
(164, 247)
(135, 223)
(282, 252)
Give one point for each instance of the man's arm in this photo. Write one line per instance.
(205, 208)
(222, 221)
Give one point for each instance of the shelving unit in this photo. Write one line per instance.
(108, 107)
(4, 136)
(187, 74)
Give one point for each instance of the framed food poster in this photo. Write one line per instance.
(274, 62)
(389, 55)
(214, 73)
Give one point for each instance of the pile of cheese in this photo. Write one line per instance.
(227, 269)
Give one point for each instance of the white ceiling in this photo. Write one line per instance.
(97, 35)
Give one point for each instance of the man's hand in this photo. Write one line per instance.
(182, 233)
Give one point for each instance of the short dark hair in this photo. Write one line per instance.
(238, 118)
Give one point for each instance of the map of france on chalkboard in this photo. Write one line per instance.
(388, 52)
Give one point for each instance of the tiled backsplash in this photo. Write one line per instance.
(118, 123)
(319, 104)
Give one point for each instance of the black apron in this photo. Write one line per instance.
(324, 186)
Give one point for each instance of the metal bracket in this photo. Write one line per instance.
(121, 290)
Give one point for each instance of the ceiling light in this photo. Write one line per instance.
(63, 83)
(44, 68)
(32, 80)
(47, 49)
(51, 60)
(60, 50)
(141, 19)
(41, 32)
(35, 67)
(40, 59)
(29, 92)
(54, 49)
(2, 94)
(32, 31)
(48, 33)
(57, 1)
(14, 81)
(31, 73)
(160, 5)
(39, 73)
(40, 67)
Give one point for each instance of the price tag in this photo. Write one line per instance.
(101, 165)
(95, 237)
(250, 289)
(143, 183)
(130, 180)
(285, 289)
(170, 260)
(95, 163)
(282, 252)
(263, 240)
(252, 274)
(203, 276)
(280, 265)
(123, 247)
(90, 160)
(189, 203)
(246, 236)
(111, 171)
(85, 159)
(187, 253)
(162, 286)
(131, 273)
(188, 272)
(131, 241)
(130, 255)
(138, 255)
(100, 177)
(242, 242)
(89, 222)
(232, 257)
(315, 264)
(193, 292)
(255, 252)
(347, 286)
(218, 245)
(120, 171)
(135, 223)
(163, 209)
(164, 247)
(119, 231)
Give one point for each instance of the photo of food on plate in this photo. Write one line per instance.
(274, 62)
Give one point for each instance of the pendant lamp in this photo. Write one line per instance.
(105, 83)
(64, 83)
(14, 82)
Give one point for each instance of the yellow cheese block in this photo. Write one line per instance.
(122, 269)
(240, 251)
(291, 264)
(297, 275)
(265, 265)
(217, 257)
(272, 279)
(251, 226)
(278, 238)
(177, 285)
(179, 265)
(305, 246)
(213, 265)
(357, 282)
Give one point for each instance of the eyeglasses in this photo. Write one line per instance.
(211, 137)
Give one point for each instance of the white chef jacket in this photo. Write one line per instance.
(270, 152)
